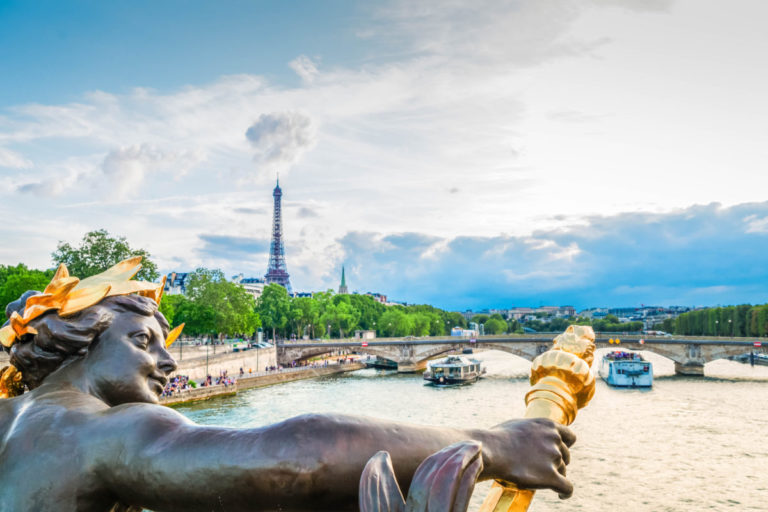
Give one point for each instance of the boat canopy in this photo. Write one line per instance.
(454, 361)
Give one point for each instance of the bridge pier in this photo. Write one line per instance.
(690, 368)
(411, 367)
(693, 363)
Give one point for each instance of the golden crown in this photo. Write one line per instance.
(68, 295)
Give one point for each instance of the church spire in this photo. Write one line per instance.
(343, 286)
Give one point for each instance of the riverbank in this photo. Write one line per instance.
(258, 380)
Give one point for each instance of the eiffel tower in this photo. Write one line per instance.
(277, 272)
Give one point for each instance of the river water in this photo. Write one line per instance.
(688, 444)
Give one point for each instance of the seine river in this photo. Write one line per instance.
(688, 444)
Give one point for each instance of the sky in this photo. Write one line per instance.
(465, 154)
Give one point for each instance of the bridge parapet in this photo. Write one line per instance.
(688, 353)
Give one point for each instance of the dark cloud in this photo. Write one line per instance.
(697, 256)
(250, 211)
(637, 5)
(280, 138)
(307, 213)
(232, 247)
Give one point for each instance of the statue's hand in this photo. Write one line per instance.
(530, 453)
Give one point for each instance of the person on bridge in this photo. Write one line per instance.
(81, 428)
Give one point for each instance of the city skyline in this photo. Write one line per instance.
(462, 154)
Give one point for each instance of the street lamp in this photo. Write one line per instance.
(717, 332)
(206, 363)
(730, 331)
(329, 331)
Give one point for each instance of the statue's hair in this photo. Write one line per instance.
(61, 339)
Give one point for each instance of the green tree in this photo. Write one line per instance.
(217, 306)
(304, 315)
(455, 319)
(394, 322)
(420, 324)
(15, 280)
(341, 316)
(495, 326)
(515, 326)
(274, 308)
(198, 319)
(370, 310)
(97, 252)
(169, 305)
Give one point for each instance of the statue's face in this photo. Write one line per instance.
(129, 363)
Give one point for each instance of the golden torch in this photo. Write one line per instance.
(561, 384)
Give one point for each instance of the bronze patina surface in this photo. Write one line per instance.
(81, 428)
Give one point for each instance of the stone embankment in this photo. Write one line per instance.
(258, 380)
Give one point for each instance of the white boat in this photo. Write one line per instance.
(453, 370)
(626, 369)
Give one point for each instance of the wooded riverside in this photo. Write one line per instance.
(737, 321)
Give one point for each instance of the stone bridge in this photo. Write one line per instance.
(688, 353)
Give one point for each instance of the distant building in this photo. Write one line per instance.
(176, 283)
(343, 286)
(302, 294)
(649, 315)
(365, 335)
(253, 285)
(378, 297)
(458, 331)
(524, 314)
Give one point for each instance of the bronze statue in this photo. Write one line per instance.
(81, 428)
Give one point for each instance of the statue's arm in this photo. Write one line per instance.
(160, 460)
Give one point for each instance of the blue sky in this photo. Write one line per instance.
(465, 154)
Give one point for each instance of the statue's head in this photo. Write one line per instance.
(108, 321)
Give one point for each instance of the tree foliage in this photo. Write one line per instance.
(274, 308)
(743, 320)
(213, 306)
(97, 252)
(338, 315)
(15, 280)
(495, 326)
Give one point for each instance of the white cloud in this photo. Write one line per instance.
(14, 160)
(304, 67)
(281, 138)
(756, 224)
(126, 167)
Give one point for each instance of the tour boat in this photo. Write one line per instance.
(626, 369)
(453, 370)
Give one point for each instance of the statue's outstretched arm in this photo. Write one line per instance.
(156, 458)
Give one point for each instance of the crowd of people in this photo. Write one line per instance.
(177, 384)
(222, 380)
(618, 355)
